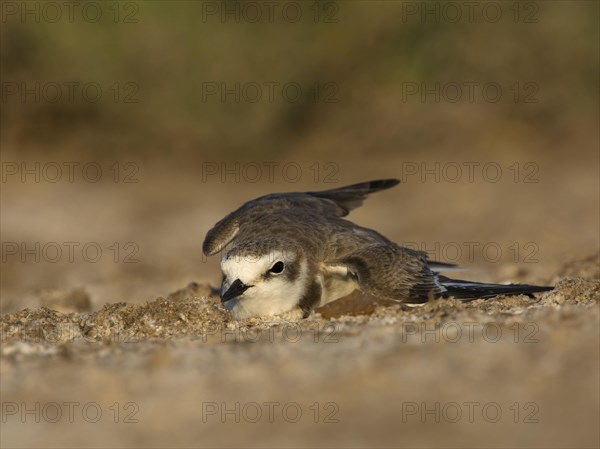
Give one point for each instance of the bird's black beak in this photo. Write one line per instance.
(234, 290)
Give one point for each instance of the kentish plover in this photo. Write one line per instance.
(294, 251)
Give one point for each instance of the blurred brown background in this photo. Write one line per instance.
(171, 114)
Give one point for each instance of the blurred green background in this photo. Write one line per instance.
(368, 49)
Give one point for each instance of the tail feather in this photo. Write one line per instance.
(467, 290)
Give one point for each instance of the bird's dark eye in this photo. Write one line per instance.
(277, 268)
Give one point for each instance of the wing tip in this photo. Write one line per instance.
(381, 184)
(208, 247)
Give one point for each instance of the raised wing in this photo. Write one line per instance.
(350, 197)
(335, 202)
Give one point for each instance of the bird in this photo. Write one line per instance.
(293, 252)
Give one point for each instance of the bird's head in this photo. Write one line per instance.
(264, 277)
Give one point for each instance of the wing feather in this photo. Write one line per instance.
(220, 235)
(333, 203)
(392, 272)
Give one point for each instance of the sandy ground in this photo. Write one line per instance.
(116, 354)
(178, 371)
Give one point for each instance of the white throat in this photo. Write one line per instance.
(269, 295)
